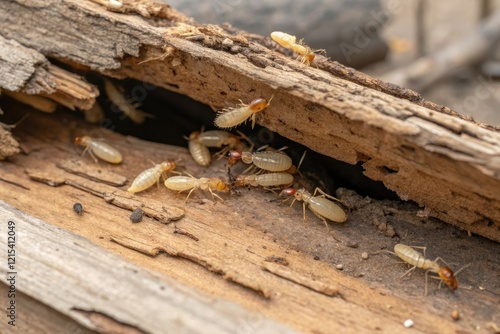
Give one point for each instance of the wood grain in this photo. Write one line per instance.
(426, 153)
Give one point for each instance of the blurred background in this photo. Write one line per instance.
(445, 50)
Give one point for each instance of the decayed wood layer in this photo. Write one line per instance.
(447, 164)
(84, 282)
(248, 249)
(25, 72)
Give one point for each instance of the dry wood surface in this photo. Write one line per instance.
(426, 153)
(248, 249)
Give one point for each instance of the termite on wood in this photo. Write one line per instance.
(100, 149)
(271, 161)
(229, 117)
(151, 176)
(265, 180)
(306, 54)
(320, 205)
(411, 256)
(183, 183)
(200, 142)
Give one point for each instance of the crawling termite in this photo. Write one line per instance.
(199, 143)
(229, 117)
(267, 160)
(320, 205)
(98, 148)
(136, 115)
(183, 183)
(306, 54)
(413, 257)
(151, 176)
(265, 180)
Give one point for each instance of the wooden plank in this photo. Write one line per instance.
(436, 157)
(101, 291)
(25, 72)
(238, 238)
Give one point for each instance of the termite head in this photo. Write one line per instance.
(234, 157)
(446, 274)
(288, 192)
(308, 58)
(82, 140)
(194, 135)
(259, 104)
(167, 166)
(219, 185)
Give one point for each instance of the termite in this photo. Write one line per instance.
(287, 41)
(265, 180)
(151, 176)
(183, 183)
(271, 161)
(229, 117)
(320, 205)
(101, 149)
(199, 143)
(116, 97)
(413, 257)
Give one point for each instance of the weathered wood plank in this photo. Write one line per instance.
(447, 164)
(25, 72)
(237, 238)
(84, 283)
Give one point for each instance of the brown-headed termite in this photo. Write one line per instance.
(320, 205)
(413, 257)
(183, 183)
(306, 54)
(268, 160)
(151, 176)
(229, 117)
(265, 180)
(199, 143)
(99, 148)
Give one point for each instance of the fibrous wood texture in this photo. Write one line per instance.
(83, 283)
(247, 249)
(25, 72)
(441, 160)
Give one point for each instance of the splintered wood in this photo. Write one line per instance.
(426, 153)
(248, 249)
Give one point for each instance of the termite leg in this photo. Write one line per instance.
(408, 271)
(214, 194)
(327, 226)
(300, 162)
(323, 194)
(91, 154)
(304, 210)
(440, 259)
(189, 194)
(248, 140)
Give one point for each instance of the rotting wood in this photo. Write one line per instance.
(8, 145)
(301, 278)
(25, 72)
(90, 281)
(164, 213)
(438, 158)
(238, 235)
(90, 172)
